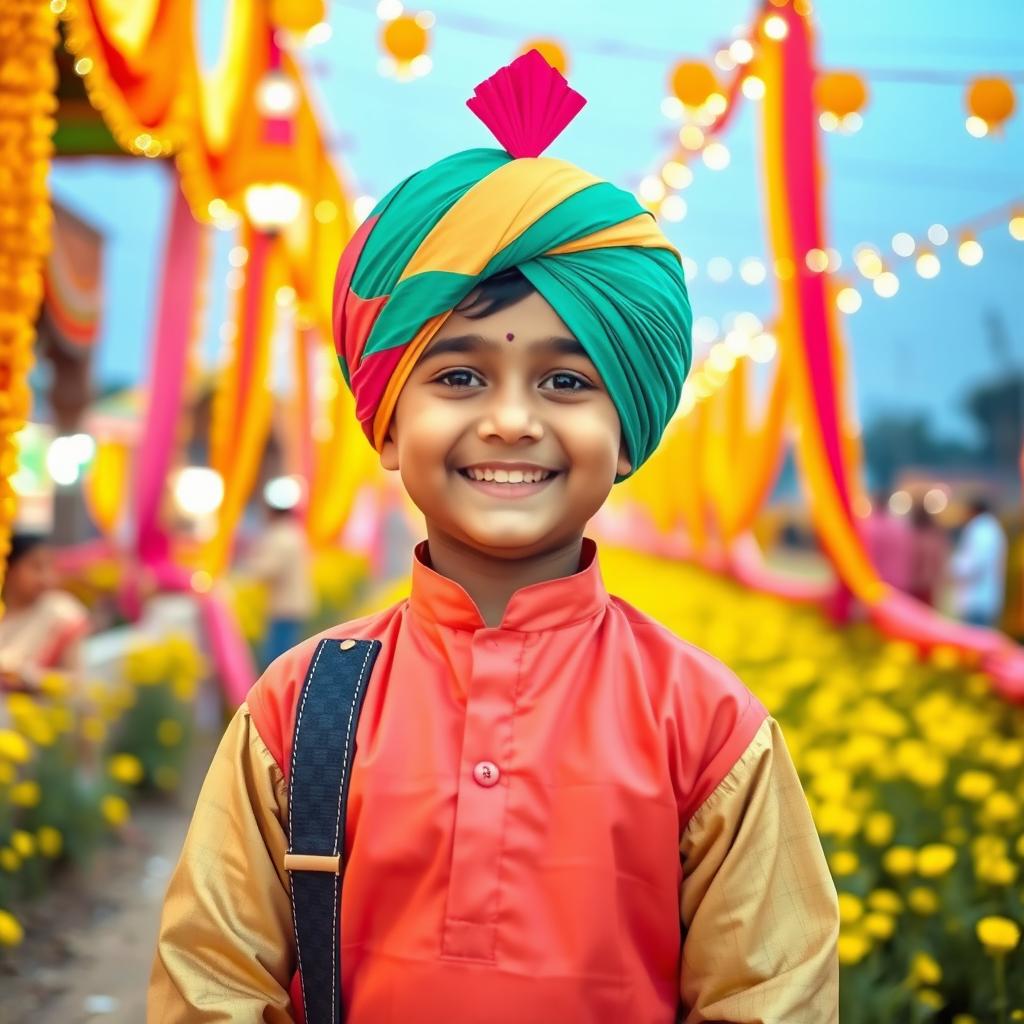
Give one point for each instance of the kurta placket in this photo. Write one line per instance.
(486, 771)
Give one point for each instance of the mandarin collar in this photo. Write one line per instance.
(550, 604)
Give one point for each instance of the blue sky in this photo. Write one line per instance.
(912, 164)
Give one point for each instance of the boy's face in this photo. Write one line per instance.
(504, 396)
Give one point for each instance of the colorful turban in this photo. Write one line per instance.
(590, 249)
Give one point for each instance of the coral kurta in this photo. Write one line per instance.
(573, 817)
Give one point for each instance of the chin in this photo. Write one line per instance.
(514, 542)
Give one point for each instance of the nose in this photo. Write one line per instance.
(510, 417)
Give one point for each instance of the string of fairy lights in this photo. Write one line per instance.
(700, 102)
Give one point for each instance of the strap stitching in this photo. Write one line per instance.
(291, 788)
(337, 832)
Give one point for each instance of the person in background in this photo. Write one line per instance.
(978, 567)
(888, 540)
(41, 627)
(929, 554)
(280, 559)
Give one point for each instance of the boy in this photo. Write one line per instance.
(559, 812)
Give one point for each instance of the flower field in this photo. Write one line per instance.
(70, 763)
(915, 775)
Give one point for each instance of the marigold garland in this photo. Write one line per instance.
(28, 81)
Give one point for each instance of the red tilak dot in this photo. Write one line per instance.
(509, 337)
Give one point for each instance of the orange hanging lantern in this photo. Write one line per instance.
(297, 15)
(992, 100)
(552, 51)
(693, 82)
(404, 38)
(840, 93)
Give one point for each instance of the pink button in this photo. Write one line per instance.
(486, 773)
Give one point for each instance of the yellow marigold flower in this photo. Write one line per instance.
(7, 773)
(169, 732)
(145, 666)
(852, 948)
(24, 843)
(26, 793)
(94, 729)
(126, 769)
(843, 863)
(925, 970)
(13, 746)
(923, 900)
(10, 931)
(9, 859)
(879, 926)
(885, 769)
(885, 900)
(114, 809)
(39, 731)
(999, 935)
(860, 751)
(957, 835)
(51, 842)
(928, 772)
(931, 998)
(1011, 755)
(988, 845)
(837, 820)
(935, 860)
(835, 785)
(851, 908)
(184, 687)
(819, 761)
(975, 785)
(877, 717)
(1000, 807)
(879, 827)
(899, 861)
(1019, 846)
(54, 684)
(996, 870)
(62, 720)
(964, 1018)
(900, 651)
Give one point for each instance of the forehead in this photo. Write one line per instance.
(530, 319)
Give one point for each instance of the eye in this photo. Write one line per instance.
(563, 381)
(458, 379)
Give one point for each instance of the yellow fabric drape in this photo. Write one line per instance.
(106, 485)
(243, 402)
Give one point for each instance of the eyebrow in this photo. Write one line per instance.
(468, 343)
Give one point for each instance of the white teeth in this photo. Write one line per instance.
(508, 476)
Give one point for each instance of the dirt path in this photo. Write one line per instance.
(90, 941)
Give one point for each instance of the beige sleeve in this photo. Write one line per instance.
(758, 905)
(225, 946)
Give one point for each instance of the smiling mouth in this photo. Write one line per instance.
(507, 476)
(512, 483)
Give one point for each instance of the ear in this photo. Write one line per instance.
(389, 450)
(623, 467)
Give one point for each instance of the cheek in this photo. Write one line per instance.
(591, 436)
(427, 432)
